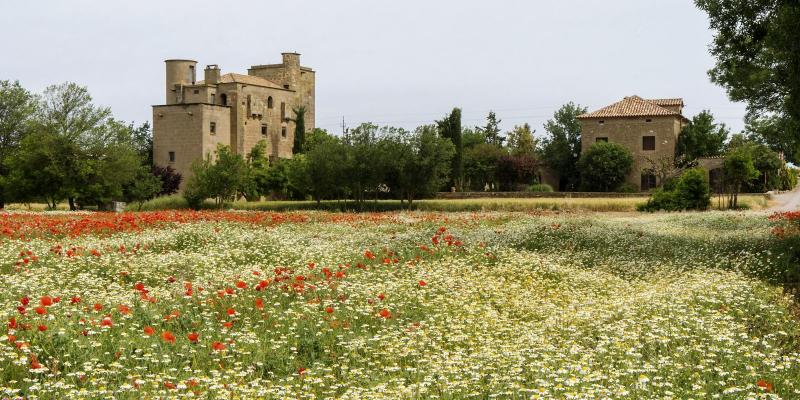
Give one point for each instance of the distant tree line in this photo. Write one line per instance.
(59, 146)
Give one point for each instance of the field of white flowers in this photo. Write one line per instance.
(395, 305)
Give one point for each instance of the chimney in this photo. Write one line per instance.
(212, 74)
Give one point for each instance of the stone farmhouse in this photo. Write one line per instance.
(231, 109)
(649, 128)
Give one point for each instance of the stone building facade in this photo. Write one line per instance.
(649, 128)
(232, 109)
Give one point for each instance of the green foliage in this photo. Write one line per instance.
(757, 47)
(298, 183)
(787, 178)
(480, 166)
(540, 187)
(521, 141)
(222, 179)
(144, 186)
(738, 169)
(690, 192)
(299, 129)
(561, 148)
(326, 168)
(701, 137)
(767, 163)
(450, 128)
(427, 164)
(491, 131)
(17, 108)
(604, 166)
(255, 182)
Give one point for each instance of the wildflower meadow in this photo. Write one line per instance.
(306, 305)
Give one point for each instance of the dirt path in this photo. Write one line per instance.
(787, 201)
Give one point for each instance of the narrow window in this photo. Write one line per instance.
(283, 131)
(213, 128)
(191, 74)
(283, 111)
(648, 120)
(285, 86)
(213, 98)
(197, 91)
(269, 102)
(171, 156)
(648, 142)
(601, 122)
(601, 139)
(224, 98)
(648, 181)
(264, 130)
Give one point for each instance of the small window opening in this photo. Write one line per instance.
(648, 120)
(648, 181)
(601, 139)
(648, 142)
(264, 130)
(213, 128)
(283, 111)
(283, 131)
(269, 102)
(213, 98)
(171, 156)
(601, 122)
(285, 86)
(196, 91)
(224, 98)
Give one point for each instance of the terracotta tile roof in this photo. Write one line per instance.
(667, 102)
(635, 106)
(246, 79)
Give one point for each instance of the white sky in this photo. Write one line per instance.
(403, 63)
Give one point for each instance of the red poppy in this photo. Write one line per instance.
(193, 337)
(21, 310)
(260, 303)
(12, 323)
(422, 283)
(41, 310)
(139, 286)
(385, 313)
(149, 331)
(218, 346)
(169, 385)
(763, 384)
(35, 363)
(98, 306)
(381, 296)
(42, 328)
(301, 371)
(231, 311)
(329, 310)
(122, 308)
(168, 337)
(75, 300)
(370, 255)
(25, 301)
(107, 322)
(241, 285)
(46, 301)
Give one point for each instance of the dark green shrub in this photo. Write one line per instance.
(604, 166)
(691, 192)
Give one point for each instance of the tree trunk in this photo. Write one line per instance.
(71, 204)
(2, 204)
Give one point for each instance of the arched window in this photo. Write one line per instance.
(269, 102)
(224, 99)
(283, 111)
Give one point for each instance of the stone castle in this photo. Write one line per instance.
(231, 109)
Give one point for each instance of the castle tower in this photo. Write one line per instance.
(179, 73)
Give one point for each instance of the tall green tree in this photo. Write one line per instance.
(17, 107)
(757, 47)
(222, 177)
(326, 168)
(450, 128)
(492, 130)
(738, 170)
(427, 167)
(561, 147)
(521, 141)
(701, 137)
(299, 129)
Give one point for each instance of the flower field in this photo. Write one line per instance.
(395, 305)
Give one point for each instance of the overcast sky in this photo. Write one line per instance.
(403, 63)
